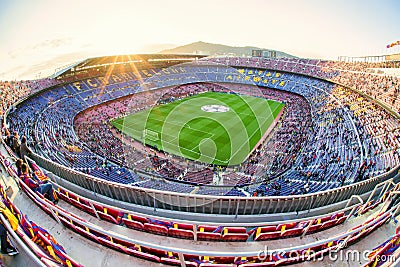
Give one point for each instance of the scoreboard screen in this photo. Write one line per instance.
(263, 53)
(256, 53)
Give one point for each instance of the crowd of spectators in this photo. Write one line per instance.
(356, 75)
(12, 91)
(272, 157)
(327, 137)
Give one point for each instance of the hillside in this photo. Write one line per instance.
(217, 49)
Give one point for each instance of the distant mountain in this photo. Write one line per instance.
(218, 49)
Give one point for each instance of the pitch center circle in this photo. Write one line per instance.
(215, 108)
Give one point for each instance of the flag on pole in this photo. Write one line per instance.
(393, 44)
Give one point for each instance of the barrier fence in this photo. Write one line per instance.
(224, 205)
(338, 241)
(206, 204)
(334, 243)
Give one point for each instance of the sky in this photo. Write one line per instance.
(39, 36)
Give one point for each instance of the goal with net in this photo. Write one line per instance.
(150, 135)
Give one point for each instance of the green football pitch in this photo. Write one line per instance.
(214, 128)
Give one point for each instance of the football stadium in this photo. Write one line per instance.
(203, 160)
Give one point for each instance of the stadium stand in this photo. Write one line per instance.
(332, 137)
(57, 134)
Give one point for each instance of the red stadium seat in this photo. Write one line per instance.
(88, 209)
(109, 242)
(206, 233)
(223, 261)
(328, 224)
(145, 256)
(314, 228)
(117, 214)
(130, 222)
(323, 219)
(341, 220)
(63, 196)
(58, 253)
(339, 215)
(155, 229)
(234, 234)
(69, 195)
(154, 251)
(85, 202)
(286, 226)
(270, 228)
(75, 201)
(176, 262)
(181, 231)
(189, 257)
(185, 226)
(292, 232)
(110, 215)
(137, 252)
(126, 246)
(65, 222)
(138, 218)
(266, 233)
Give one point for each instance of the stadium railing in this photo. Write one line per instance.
(185, 257)
(213, 204)
(32, 259)
(189, 257)
(39, 245)
(158, 199)
(190, 229)
(285, 228)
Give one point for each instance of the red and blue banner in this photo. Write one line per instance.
(393, 44)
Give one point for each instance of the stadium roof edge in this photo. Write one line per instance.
(125, 59)
(103, 60)
(62, 70)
